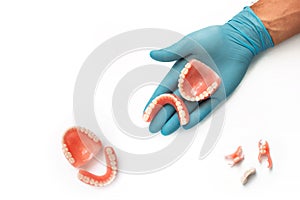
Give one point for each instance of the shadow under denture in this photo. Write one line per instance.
(80, 145)
(155, 106)
(197, 81)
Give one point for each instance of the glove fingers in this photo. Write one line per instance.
(170, 82)
(201, 111)
(161, 118)
(174, 52)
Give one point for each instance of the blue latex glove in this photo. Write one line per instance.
(228, 49)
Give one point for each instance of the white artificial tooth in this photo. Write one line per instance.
(148, 110)
(80, 176)
(193, 99)
(201, 96)
(95, 139)
(86, 179)
(188, 65)
(112, 157)
(210, 90)
(178, 103)
(145, 117)
(96, 183)
(68, 155)
(151, 105)
(182, 76)
(179, 108)
(183, 121)
(180, 80)
(197, 98)
(92, 181)
(214, 85)
(185, 71)
(71, 160)
(109, 150)
(114, 168)
(205, 94)
(90, 135)
(182, 113)
(113, 163)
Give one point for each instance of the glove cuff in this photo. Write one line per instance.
(250, 32)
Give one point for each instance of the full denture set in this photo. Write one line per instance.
(237, 157)
(196, 82)
(80, 145)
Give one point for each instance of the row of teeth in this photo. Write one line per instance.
(95, 183)
(113, 165)
(89, 133)
(200, 97)
(179, 106)
(68, 154)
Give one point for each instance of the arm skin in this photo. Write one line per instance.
(280, 17)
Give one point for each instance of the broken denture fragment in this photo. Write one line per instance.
(264, 150)
(235, 157)
(163, 99)
(247, 174)
(80, 145)
(197, 81)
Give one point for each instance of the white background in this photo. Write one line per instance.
(42, 47)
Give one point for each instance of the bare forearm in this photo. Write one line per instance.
(280, 17)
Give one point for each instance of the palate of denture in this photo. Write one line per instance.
(163, 99)
(80, 145)
(197, 81)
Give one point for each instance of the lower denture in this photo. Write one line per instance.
(108, 177)
(197, 81)
(153, 108)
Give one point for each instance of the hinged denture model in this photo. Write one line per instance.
(80, 146)
(264, 150)
(196, 82)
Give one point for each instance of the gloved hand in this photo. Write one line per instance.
(228, 49)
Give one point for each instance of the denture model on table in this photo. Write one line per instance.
(197, 81)
(80, 145)
(264, 150)
(163, 99)
(235, 157)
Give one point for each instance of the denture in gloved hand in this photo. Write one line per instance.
(80, 145)
(197, 81)
(264, 150)
(163, 99)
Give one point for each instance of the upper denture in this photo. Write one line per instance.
(197, 81)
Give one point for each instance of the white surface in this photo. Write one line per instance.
(42, 47)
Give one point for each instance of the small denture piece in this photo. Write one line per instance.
(108, 177)
(80, 145)
(197, 81)
(154, 107)
(264, 150)
(235, 157)
(247, 174)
